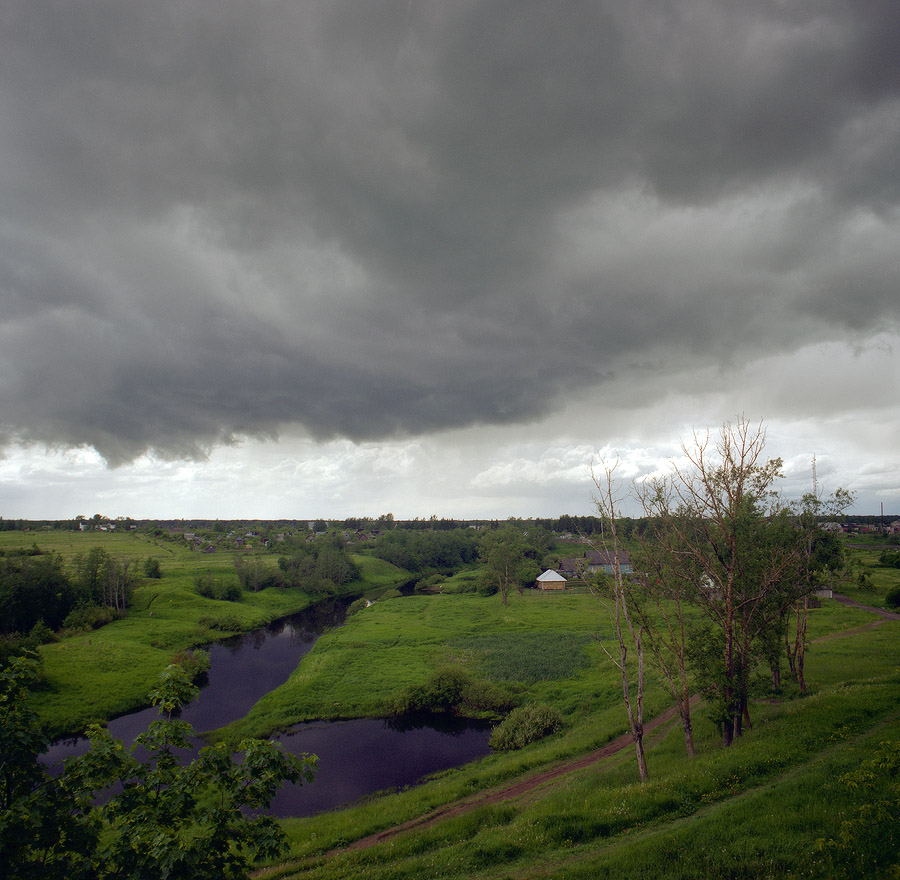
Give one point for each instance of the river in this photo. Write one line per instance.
(356, 758)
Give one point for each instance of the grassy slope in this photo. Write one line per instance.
(756, 810)
(352, 671)
(97, 675)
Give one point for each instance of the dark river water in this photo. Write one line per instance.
(356, 758)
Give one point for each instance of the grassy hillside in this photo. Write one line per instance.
(779, 803)
(541, 646)
(96, 675)
(810, 791)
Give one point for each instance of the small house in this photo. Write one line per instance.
(550, 580)
(605, 561)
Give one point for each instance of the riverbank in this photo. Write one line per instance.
(768, 806)
(97, 675)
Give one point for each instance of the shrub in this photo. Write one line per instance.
(892, 599)
(391, 594)
(525, 725)
(152, 568)
(89, 617)
(212, 589)
(193, 662)
(451, 689)
(357, 605)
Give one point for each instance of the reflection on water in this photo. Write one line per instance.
(242, 669)
(360, 757)
(356, 758)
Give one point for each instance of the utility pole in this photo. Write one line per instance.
(815, 480)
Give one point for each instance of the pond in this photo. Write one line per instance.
(356, 758)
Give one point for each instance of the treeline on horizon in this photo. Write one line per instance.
(566, 523)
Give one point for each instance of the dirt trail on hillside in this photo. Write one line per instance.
(846, 600)
(521, 786)
(528, 783)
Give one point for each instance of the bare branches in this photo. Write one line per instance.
(606, 503)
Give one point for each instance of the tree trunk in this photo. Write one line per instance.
(684, 709)
(801, 645)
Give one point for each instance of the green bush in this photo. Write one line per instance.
(391, 594)
(451, 689)
(152, 568)
(525, 725)
(210, 588)
(89, 617)
(194, 662)
(357, 605)
(892, 599)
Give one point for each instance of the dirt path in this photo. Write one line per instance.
(525, 784)
(521, 786)
(846, 600)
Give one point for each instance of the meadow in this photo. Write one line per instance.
(775, 804)
(96, 675)
(811, 790)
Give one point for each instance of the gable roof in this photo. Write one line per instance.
(605, 557)
(550, 575)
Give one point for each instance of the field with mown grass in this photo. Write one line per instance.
(97, 675)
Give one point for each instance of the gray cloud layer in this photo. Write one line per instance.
(370, 219)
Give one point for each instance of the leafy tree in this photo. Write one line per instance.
(503, 555)
(152, 568)
(734, 550)
(44, 825)
(33, 588)
(821, 556)
(168, 819)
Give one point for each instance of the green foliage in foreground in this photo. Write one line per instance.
(168, 819)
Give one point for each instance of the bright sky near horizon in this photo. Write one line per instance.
(336, 258)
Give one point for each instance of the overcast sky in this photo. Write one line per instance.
(294, 259)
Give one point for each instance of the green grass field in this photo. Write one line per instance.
(767, 807)
(97, 675)
(794, 797)
(540, 645)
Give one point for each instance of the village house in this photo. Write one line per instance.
(550, 580)
(605, 561)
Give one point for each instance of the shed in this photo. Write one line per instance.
(551, 580)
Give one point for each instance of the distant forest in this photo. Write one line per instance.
(575, 525)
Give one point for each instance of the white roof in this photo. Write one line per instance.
(551, 575)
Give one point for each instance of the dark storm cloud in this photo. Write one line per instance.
(376, 218)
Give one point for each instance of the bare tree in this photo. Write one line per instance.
(606, 502)
(666, 597)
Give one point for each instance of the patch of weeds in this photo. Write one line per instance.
(529, 657)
